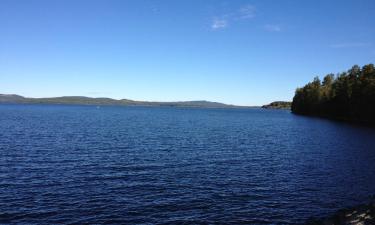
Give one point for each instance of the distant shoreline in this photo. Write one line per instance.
(278, 105)
(82, 100)
(118, 105)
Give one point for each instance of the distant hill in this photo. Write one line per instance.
(11, 98)
(278, 105)
(81, 100)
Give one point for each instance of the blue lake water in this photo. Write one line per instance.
(140, 165)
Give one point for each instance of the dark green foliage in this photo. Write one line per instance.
(278, 105)
(348, 96)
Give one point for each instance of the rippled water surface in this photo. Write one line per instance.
(125, 165)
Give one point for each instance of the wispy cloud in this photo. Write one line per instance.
(350, 45)
(218, 24)
(247, 12)
(272, 28)
(243, 13)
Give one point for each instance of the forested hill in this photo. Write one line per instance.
(80, 100)
(347, 96)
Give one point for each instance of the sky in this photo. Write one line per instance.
(235, 51)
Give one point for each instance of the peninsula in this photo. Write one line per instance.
(278, 105)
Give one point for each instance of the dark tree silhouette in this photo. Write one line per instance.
(348, 96)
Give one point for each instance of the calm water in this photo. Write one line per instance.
(125, 165)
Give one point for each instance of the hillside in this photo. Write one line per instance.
(81, 100)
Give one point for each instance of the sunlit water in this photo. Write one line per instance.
(125, 165)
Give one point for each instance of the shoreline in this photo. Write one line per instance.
(338, 119)
(360, 214)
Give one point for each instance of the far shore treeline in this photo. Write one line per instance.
(347, 96)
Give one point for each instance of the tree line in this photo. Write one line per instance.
(348, 96)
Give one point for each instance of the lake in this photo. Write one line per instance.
(150, 165)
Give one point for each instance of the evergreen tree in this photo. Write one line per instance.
(349, 96)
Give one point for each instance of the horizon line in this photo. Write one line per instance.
(149, 101)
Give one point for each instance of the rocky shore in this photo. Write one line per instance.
(360, 215)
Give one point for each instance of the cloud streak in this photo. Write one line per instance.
(244, 13)
(247, 12)
(218, 24)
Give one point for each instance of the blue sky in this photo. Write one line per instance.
(238, 52)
